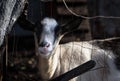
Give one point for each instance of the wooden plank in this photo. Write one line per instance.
(72, 4)
(72, 0)
(77, 10)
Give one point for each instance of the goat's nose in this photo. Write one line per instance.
(44, 44)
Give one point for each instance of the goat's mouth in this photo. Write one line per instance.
(44, 51)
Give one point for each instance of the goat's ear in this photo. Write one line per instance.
(71, 25)
(23, 22)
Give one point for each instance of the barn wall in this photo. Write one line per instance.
(102, 27)
(78, 7)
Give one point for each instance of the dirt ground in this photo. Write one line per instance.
(22, 67)
(22, 60)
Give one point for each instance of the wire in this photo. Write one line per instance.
(85, 17)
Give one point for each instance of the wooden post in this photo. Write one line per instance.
(10, 10)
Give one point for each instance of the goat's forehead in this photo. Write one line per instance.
(49, 23)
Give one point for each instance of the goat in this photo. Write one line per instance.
(56, 59)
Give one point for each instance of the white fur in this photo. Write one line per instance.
(49, 22)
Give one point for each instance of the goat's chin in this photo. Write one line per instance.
(44, 53)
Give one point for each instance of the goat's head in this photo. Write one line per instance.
(52, 32)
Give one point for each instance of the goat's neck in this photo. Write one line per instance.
(47, 66)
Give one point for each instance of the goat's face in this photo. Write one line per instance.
(47, 36)
(51, 33)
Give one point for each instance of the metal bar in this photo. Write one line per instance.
(76, 71)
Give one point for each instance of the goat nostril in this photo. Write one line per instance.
(47, 45)
(44, 44)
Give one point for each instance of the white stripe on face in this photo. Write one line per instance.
(47, 35)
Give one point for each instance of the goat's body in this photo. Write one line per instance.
(57, 59)
(70, 55)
